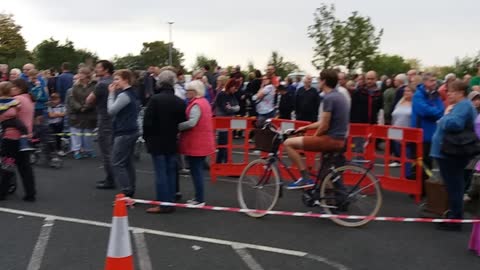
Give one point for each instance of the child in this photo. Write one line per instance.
(40, 95)
(9, 106)
(56, 113)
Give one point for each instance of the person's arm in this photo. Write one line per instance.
(9, 114)
(262, 92)
(193, 118)
(148, 119)
(73, 104)
(117, 104)
(425, 110)
(456, 120)
(91, 99)
(324, 123)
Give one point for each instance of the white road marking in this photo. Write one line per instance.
(142, 251)
(327, 261)
(41, 245)
(247, 257)
(173, 235)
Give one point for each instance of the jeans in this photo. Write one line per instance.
(261, 118)
(123, 164)
(222, 155)
(165, 176)
(196, 170)
(105, 143)
(397, 150)
(10, 148)
(452, 172)
(80, 141)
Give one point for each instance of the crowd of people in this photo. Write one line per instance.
(175, 112)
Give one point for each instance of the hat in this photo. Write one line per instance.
(473, 95)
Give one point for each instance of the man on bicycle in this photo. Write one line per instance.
(331, 129)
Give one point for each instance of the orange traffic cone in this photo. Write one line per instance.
(474, 244)
(119, 254)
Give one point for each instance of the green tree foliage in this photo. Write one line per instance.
(349, 43)
(282, 67)
(13, 47)
(51, 53)
(156, 54)
(203, 60)
(466, 65)
(130, 61)
(386, 64)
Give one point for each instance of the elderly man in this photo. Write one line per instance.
(4, 73)
(411, 75)
(24, 75)
(427, 109)
(467, 78)
(307, 101)
(393, 95)
(160, 128)
(450, 78)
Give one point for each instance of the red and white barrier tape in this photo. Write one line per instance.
(299, 214)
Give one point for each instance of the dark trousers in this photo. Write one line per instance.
(427, 160)
(56, 128)
(222, 155)
(105, 143)
(10, 148)
(165, 176)
(123, 164)
(452, 171)
(196, 170)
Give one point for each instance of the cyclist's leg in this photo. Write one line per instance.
(291, 146)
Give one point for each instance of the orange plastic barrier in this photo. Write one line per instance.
(361, 144)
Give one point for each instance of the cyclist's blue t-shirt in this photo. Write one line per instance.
(336, 104)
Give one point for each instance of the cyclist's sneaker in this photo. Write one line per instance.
(195, 203)
(301, 183)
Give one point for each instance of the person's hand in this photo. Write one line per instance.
(37, 83)
(301, 130)
(112, 87)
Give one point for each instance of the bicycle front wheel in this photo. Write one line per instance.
(353, 191)
(258, 187)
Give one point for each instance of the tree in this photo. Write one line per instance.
(466, 65)
(386, 64)
(130, 61)
(13, 47)
(203, 60)
(51, 53)
(283, 68)
(156, 54)
(349, 43)
(414, 63)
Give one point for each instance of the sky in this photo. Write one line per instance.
(238, 32)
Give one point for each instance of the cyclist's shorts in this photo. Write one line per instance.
(322, 144)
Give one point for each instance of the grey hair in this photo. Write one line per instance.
(167, 78)
(198, 87)
(16, 71)
(402, 77)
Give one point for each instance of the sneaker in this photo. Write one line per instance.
(195, 203)
(466, 198)
(77, 155)
(301, 183)
(394, 164)
(61, 153)
(25, 145)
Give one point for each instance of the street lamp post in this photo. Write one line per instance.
(170, 47)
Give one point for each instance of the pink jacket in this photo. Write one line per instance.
(200, 140)
(25, 114)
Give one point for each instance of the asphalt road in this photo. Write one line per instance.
(197, 239)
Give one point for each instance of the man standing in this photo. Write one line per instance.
(411, 75)
(307, 102)
(210, 76)
(342, 87)
(64, 81)
(160, 129)
(104, 70)
(4, 73)
(427, 108)
(272, 76)
(392, 96)
(26, 69)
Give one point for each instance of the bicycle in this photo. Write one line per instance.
(335, 190)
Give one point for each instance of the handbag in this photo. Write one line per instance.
(461, 144)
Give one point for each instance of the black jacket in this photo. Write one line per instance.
(286, 106)
(306, 104)
(160, 124)
(365, 106)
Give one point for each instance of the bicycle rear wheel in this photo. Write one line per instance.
(258, 187)
(353, 191)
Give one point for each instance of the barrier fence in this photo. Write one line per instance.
(361, 144)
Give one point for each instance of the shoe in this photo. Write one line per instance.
(195, 203)
(61, 153)
(452, 227)
(25, 145)
(29, 198)
(394, 164)
(160, 210)
(178, 197)
(184, 171)
(105, 185)
(77, 155)
(467, 198)
(301, 183)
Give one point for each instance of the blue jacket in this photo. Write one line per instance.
(64, 82)
(462, 115)
(41, 96)
(427, 108)
(39, 78)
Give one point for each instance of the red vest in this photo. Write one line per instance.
(200, 140)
